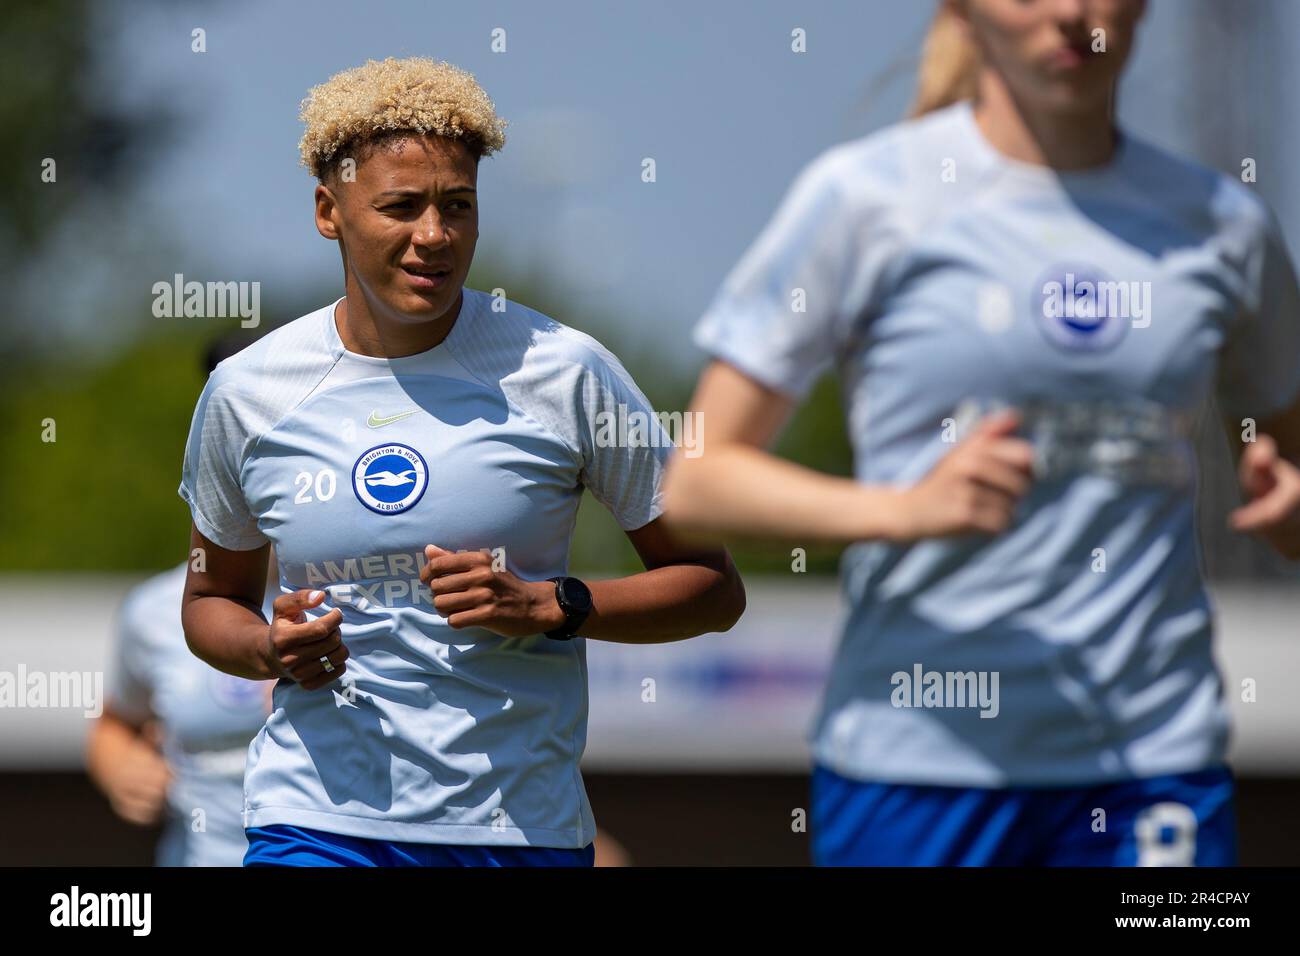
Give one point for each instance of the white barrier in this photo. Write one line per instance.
(725, 702)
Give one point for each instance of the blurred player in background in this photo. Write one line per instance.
(174, 734)
(1025, 676)
(416, 451)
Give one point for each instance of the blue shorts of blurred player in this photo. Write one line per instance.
(283, 845)
(1178, 820)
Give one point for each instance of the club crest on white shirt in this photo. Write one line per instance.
(389, 479)
(1080, 308)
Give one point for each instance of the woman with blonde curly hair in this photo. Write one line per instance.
(416, 452)
(1026, 306)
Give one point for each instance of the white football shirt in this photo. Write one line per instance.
(352, 464)
(942, 279)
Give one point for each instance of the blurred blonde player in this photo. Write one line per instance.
(1026, 675)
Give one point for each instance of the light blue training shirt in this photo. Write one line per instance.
(351, 465)
(207, 718)
(941, 280)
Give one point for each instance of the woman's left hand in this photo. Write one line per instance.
(1271, 485)
(468, 592)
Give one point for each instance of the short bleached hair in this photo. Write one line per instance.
(356, 110)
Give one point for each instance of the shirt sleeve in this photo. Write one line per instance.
(1259, 364)
(210, 479)
(624, 446)
(129, 688)
(783, 313)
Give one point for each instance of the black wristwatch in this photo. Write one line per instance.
(574, 599)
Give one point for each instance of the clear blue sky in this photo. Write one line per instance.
(711, 91)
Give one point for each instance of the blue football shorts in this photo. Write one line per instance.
(1184, 819)
(283, 845)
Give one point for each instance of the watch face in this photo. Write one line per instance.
(576, 595)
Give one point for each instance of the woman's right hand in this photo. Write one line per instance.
(973, 488)
(295, 645)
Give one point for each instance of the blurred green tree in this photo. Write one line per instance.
(54, 110)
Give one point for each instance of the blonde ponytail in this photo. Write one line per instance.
(949, 63)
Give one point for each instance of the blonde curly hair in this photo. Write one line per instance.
(356, 110)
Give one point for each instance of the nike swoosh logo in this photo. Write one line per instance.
(375, 421)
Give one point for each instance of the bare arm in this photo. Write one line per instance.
(1284, 429)
(1269, 475)
(224, 627)
(221, 611)
(685, 591)
(126, 766)
(736, 487)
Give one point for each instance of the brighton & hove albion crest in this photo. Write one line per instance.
(1077, 309)
(389, 479)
